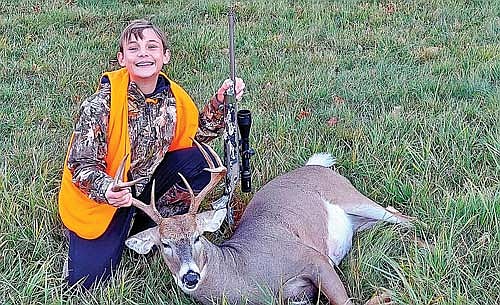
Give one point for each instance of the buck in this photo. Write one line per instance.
(292, 234)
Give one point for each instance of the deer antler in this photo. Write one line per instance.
(118, 184)
(216, 174)
(149, 209)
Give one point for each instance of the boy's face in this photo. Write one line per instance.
(143, 58)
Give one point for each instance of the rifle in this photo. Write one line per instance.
(237, 151)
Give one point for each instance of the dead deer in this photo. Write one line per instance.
(292, 234)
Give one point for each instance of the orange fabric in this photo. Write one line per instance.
(87, 218)
(187, 118)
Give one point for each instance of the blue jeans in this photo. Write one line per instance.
(95, 259)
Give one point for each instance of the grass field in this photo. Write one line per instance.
(405, 94)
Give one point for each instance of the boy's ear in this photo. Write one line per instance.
(166, 57)
(119, 56)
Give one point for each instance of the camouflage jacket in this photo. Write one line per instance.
(151, 122)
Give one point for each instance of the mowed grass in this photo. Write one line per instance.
(405, 94)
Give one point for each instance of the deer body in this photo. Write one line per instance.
(287, 239)
(292, 233)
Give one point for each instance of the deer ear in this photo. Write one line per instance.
(143, 242)
(210, 221)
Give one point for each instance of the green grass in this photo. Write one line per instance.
(415, 90)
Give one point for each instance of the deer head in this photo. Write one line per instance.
(180, 238)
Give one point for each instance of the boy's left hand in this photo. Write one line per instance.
(238, 88)
(120, 198)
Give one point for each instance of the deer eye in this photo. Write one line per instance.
(166, 246)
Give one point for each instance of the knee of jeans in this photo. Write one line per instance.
(89, 275)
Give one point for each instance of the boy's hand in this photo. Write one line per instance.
(239, 88)
(119, 199)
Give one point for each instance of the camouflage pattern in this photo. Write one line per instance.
(151, 129)
(175, 201)
(211, 123)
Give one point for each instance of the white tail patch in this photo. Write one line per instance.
(321, 159)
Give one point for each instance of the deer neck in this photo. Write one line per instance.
(222, 257)
(222, 267)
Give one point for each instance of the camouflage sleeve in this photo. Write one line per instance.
(211, 121)
(88, 149)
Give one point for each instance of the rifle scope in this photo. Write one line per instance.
(244, 119)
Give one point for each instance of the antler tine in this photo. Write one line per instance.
(149, 209)
(216, 174)
(196, 200)
(118, 184)
(192, 208)
(204, 153)
(215, 177)
(201, 147)
(220, 167)
(216, 156)
(119, 172)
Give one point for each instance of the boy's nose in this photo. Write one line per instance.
(142, 51)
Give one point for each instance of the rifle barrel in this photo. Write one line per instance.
(232, 63)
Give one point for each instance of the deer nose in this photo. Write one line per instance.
(191, 279)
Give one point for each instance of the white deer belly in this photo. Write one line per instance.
(340, 233)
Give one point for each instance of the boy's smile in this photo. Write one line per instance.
(144, 59)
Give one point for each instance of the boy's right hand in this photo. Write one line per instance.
(239, 88)
(119, 199)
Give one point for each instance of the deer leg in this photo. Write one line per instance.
(330, 284)
(367, 213)
(299, 290)
(363, 211)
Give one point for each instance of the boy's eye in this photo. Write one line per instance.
(153, 47)
(132, 48)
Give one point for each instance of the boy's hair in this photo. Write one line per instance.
(136, 27)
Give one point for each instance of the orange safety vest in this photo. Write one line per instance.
(87, 218)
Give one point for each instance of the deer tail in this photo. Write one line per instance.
(321, 159)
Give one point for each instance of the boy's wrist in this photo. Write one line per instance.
(217, 105)
(100, 193)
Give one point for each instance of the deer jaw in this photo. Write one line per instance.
(181, 244)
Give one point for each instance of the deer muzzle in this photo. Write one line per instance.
(191, 279)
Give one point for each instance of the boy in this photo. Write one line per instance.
(138, 111)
